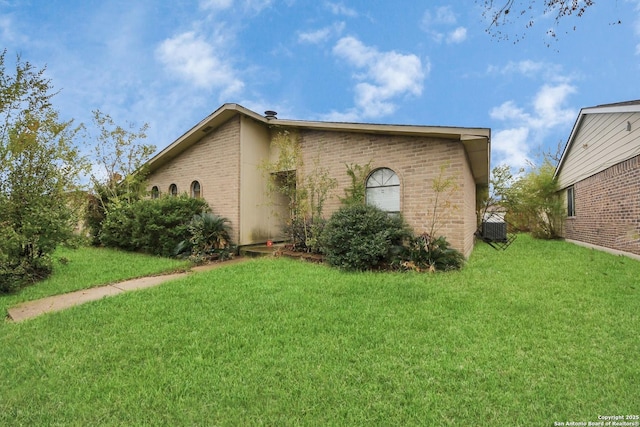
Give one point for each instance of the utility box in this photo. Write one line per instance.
(494, 227)
(494, 231)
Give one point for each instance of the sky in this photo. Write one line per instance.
(171, 63)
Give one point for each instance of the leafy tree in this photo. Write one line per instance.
(306, 193)
(40, 166)
(532, 201)
(120, 157)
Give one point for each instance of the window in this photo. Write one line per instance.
(383, 190)
(173, 190)
(571, 202)
(155, 192)
(195, 190)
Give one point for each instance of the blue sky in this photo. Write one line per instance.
(171, 63)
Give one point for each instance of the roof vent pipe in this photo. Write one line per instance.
(270, 114)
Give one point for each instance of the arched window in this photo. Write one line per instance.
(383, 190)
(173, 190)
(155, 192)
(195, 190)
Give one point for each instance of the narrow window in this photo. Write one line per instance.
(383, 190)
(155, 192)
(571, 202)
(195, 190)
(173, 190)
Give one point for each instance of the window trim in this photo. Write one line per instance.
(571, 202)
(368, 187)
(192, 189)
(173, 190)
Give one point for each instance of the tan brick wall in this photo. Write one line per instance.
(214, 161)
(417, 163)
(608, 208)
(470, 210)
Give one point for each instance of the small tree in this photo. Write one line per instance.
(40, 167)
(305, 193)
(534, 199)
(430, 251)
(121, 176)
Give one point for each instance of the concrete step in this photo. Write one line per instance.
(255, 251)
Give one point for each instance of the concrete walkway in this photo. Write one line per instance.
(30, 309)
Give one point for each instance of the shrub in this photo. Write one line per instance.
(153, 226)
(18, 265)
(363, 237)
(425, 253)
(210, 237)
(306, 234)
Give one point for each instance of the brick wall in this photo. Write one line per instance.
(416, 161)
(214, 161)
(608, 208)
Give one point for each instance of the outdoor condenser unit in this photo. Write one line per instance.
(494, 231)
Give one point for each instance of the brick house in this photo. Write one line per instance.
(219, 159)
(599, 176)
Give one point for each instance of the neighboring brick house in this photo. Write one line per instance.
(599, 175)
(219, 159)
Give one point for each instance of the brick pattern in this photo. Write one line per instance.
(608, 208)
(214, 161)
(416, 161)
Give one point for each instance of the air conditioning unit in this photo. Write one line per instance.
(494, 231)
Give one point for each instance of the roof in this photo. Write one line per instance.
(475, 140)
(618, 107)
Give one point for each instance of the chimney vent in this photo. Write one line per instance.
(269, 114)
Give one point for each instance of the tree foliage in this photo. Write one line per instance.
(40, 166)
(305, 191)
(153, 226)
(531, 199)
(119, 157)
(363, 237)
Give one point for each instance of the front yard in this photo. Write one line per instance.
(544, 332)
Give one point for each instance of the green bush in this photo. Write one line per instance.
(210, 237)
(306, 233)
(153, 226)
(363, 237)
(425, 253)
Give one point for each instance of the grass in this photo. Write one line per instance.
(86, 267)
(544, 332)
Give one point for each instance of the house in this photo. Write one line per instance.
(599, 177)
(220, 160)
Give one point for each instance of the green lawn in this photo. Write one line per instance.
(544, 332)
(82, 268)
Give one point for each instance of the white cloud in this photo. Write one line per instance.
(193, 59)
(341, 9)
(527, 129)
(511, 145)
(254, 6)
(321, 35)
(216, 4)
(458, 35)
(384, 77)
(435, 23)
(442, 15)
